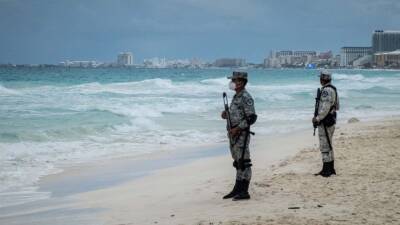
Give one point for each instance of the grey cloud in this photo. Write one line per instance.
(53, 30)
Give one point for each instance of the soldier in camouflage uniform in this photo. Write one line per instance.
(242, 115)
(326, 120)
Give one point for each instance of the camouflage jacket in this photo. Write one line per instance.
(241, 108)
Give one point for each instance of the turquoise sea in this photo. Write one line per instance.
(61, 116)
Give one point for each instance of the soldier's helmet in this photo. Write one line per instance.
(238, 75)
(325, 75)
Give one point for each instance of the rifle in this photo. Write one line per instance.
(316, 108)
(228, 118)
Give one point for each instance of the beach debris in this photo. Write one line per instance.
(353, 120)
(261, 184)
(319, 206)
(172, 215)
(294, 207)
(283, 163)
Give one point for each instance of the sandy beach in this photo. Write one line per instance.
(283, 189)
(365, 191)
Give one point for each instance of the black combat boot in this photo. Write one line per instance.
(243, 191)
(330, 170)
(234, 192)
(323, 171)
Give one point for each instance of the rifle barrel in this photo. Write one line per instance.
(228, 117)
(317, 98)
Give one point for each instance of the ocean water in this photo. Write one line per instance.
(59, 116)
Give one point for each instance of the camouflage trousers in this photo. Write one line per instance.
(236, 152)
(326, 151)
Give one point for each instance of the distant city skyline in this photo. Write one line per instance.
(46, 31)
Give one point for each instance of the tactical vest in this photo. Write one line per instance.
(330, 119)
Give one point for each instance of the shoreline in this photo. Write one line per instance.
(80, 178)
(60, 182)
(121, 169)
(64, 178)
(164, 197)
(158, 161)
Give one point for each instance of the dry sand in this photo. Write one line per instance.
(365, 191)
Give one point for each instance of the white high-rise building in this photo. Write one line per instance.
(349, 54)
(125, 59)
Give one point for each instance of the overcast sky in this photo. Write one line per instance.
(49, 31)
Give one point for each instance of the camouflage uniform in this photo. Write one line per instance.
(328, 99)
(241, 107)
